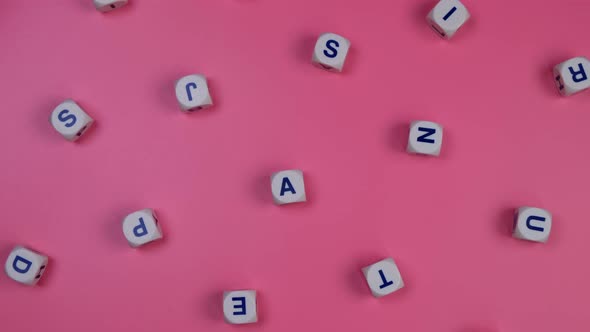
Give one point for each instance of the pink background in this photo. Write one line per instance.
(510, 140)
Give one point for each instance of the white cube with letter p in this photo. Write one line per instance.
(70, 120)
(571, 76)
(141, 227)
(383, 277)
(239, 307)
(288, 187)
(330, 52)
(447, 17)
(425, 138)
(533, 224)
(192, 93)
(25, 265)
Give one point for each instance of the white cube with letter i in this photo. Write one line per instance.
(383, 277)
(533, 224)
(141, 227)
(239, 307)
(25, 265)
(288, 187)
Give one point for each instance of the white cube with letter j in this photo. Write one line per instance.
(288, 187)
(239, 307)
(425, 138)
(330, 52)
(70, 120)
(447, 17)
(533, 224)
(141, 227)
(383, 277)
(571, 76)
(192, 93)
(25, 265)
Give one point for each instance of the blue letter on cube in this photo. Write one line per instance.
(330, 45)
(242, 305)
(287, 186)
(188, 90)
(429, 132)
(140, 230)
(23, 260)
(534, 228)
(386, 282)
(582, 74)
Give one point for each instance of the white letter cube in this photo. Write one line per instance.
(425, 138)
(108, 5)
(25, 265)
(239, 307)
(571, 76)
(532, 224)
(192, 93)
(141, 227)
(70, 120)
(383, 277)
(330, 52)
(447, 17)
(288, 187)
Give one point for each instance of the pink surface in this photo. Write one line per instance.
(510, 140)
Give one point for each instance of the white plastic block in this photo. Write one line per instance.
(571, 76)
(447, 17)
(70, 120)
(425, 138)
(25, 266)
(108, 5)
(141, 227)
(330, 52)
(239, 307)
(288, 187)
(383, 277)
(531, 223)
(192, 93)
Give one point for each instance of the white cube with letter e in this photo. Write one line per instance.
(141, 227)
(330, 52)
(239, 307)
(288, 187)
(571, 76)
(533, 224)
(425, 138)
(192, 93)
(447, 17)
(383, 277)
(25, 265)
(70, 120)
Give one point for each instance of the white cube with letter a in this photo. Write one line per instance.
(141, 227)
(288, 187)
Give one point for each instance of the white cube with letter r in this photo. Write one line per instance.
(383, 277)
(425, 138)
(571, 76)
(192, 93)
(288, 187)
(70, 120)
(141, 227)
(239, 307)
(447, 17)
(533, 224)
(25, 265)
(330, 52)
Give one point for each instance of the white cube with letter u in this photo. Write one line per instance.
(141, 227)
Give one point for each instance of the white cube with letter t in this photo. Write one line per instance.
(25, 265)
(192, 93)
(288, 187)
(571, 76)
(383, 277)
(141, 227)
(239, 307)
(533, 224)
(330, 52)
